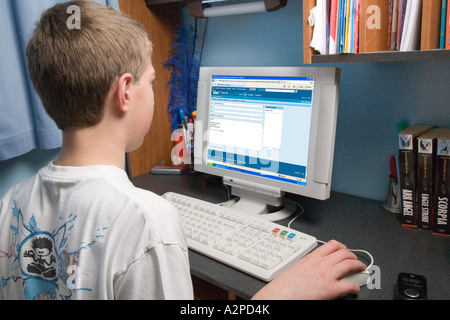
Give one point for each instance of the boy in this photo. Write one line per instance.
(79, 229)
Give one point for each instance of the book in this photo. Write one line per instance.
(407, 144)
(431, 24)
(341, 25)
(347, 25)
(443, 24)
(356, 28)
(373, 26)
(426, 173)
(412, 24)
(447, 27)
(400, 21)
(393, 17)
(333, 24)
(442, 187)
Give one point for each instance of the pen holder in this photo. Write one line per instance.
(392, 203)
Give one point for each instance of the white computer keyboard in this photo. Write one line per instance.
(253, 245)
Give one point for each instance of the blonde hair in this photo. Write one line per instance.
(72, 69)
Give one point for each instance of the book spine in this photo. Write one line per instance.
(347, 25)
(333, 22)
(391, 15)
(431, 23)
(340, 28)
(447, 27)
(401, 20)
(407, 160)
(443, 23)
(394, 28)
(374, 26)
(442, 189)
(425, 181)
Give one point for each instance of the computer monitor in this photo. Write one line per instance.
(267, 131)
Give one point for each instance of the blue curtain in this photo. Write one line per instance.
(24, 124)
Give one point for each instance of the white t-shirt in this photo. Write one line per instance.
(88, 233)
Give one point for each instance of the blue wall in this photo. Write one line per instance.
(374, 97)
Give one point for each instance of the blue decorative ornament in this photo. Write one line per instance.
(184, 64)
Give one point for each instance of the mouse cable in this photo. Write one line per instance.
(323, 242)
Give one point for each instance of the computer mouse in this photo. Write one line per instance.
(361, 278)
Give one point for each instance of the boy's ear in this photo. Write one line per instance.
(123, 93)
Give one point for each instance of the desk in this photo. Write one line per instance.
(357, 222)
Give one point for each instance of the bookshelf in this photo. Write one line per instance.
(310, 55)
(383, 56)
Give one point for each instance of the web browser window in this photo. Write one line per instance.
(261, 125)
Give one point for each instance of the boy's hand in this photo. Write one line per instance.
(316, 276)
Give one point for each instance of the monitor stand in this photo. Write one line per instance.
(266, 202)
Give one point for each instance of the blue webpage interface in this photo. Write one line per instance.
(261, 126)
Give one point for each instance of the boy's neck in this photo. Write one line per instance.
(88, 146)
